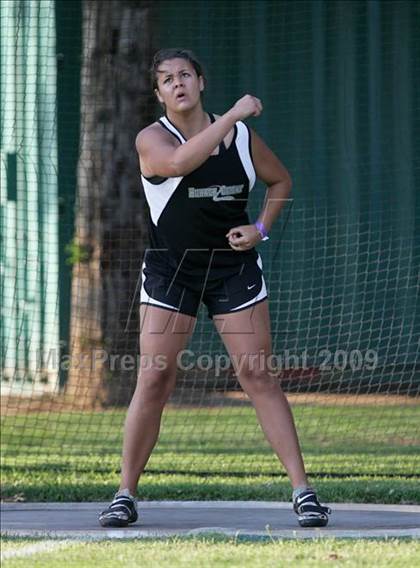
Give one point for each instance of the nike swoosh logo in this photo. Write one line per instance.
(250, 287)
(305, 498)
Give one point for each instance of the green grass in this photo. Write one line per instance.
(220, 551)
(352, 453)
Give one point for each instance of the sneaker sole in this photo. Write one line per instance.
(313, 523)
(110, 522)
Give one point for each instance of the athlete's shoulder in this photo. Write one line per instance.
(152, 134)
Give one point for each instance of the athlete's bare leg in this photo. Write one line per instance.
(246, 334)
(163, 335)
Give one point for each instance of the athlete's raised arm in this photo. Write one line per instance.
(160, 154)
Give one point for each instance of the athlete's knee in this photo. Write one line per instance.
(257, 380)
(156, 385)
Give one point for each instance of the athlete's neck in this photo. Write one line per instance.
(190, 122)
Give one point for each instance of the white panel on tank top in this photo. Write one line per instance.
(158, 195)
(242, 144)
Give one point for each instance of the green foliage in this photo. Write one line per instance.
(77, 253)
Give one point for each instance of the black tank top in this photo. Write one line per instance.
(190, 215)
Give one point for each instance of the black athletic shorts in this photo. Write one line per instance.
(221, 296)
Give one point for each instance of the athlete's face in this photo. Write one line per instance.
(179, 86)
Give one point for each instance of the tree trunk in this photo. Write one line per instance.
(111, 234)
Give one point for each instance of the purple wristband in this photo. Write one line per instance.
(262, 230)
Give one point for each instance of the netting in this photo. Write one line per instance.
(337, 80)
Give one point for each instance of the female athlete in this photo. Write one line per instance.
(197, 171)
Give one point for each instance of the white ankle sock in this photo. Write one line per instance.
(299, 490)
(126, 493)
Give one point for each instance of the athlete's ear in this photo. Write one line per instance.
(159, 98)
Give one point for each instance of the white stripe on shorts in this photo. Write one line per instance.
(146, 299)
(261, 294)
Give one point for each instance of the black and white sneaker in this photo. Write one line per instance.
(121, 512)
(309, 511)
